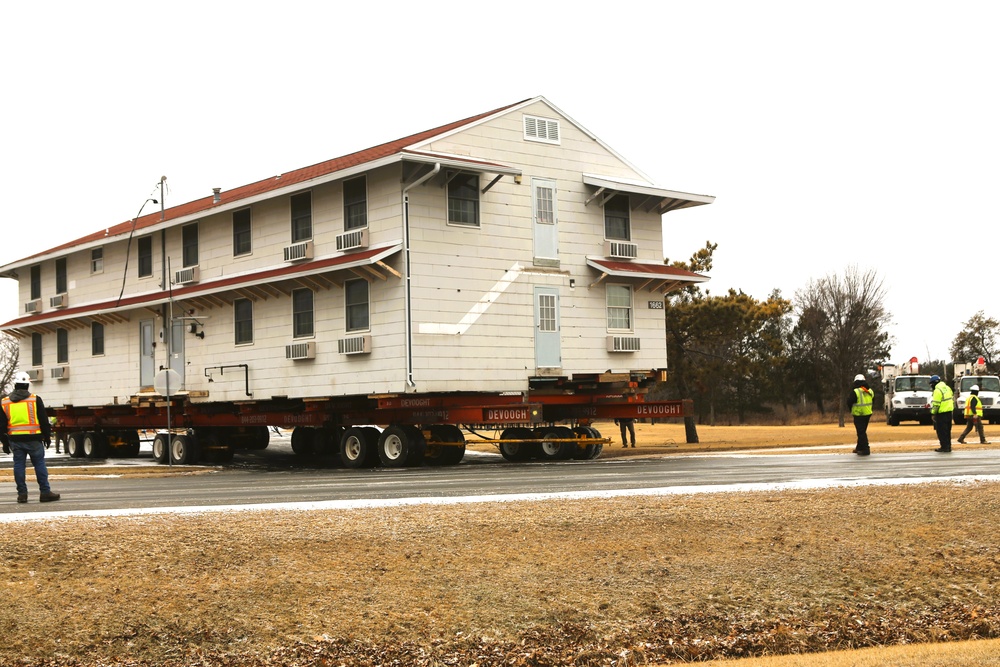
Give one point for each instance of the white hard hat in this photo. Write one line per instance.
(974, 387)
(21, 377)
(859, 378)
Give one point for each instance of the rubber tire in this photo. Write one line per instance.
(302, 440)
(95, 445)
(326, 441)
(599, 447)
(397, 446)
(74, 445)
(161, 447)
(550, 451)
(517, 451)
(445, 455)
(357, 449)
(184, 450)
(586, 452)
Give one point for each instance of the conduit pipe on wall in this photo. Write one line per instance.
(407, 305)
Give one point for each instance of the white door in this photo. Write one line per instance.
(177, 349)
(147, 363)
(548, 352)
(543, 205)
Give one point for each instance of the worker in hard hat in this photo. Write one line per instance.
(24, 428)
(973, 416)
(942, 405)
(860, 401)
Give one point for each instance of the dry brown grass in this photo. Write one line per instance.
(641, 580)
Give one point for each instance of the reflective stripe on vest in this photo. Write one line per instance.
(942, 400)
(22, 417)
(863, 402)
(973, 411)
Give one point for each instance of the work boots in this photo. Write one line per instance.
(48, 497)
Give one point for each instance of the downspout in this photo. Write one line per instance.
(407, 303)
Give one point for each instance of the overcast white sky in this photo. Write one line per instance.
(832, 134)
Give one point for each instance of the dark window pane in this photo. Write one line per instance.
(241, 232)
(463, 200)
(616, 218)
(356, 304)
(301, 217)
(96, 338)
(61, 275)
(145, 256)
(62, 346)
(243, 320)
(302, 313)
(355, 203)
(190, 245)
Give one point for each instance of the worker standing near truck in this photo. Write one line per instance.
(24, 427)
(973, 416)
(942, 404)
(861, 408)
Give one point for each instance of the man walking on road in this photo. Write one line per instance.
(24, 428)
(942, 405)
(973, 416)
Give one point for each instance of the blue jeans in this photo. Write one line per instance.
(21, 451)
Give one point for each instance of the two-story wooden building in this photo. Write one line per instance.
(470, 257)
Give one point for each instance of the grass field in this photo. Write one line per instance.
(625, 581)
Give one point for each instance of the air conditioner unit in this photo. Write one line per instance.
(621, 249)
(353, 240)
(33, 306)
(301, 350)
(60, 372)
(35, 374)
(59, 300)
(299, 251)
(184, 276)
(623, 344)
(355, 345)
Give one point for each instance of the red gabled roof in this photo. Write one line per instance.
(273, 183)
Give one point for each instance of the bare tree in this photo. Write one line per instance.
(979, 337)
(9, 357)
(847, 319)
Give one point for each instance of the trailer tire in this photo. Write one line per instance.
(74, 445)
(446, 455)
(397, 446)
(161, 447)
(326, 441)
(358, 449)
(893, 420)
(302, 440)
(586, 452)
(95, 445)
(184, 450)
(555, 451)
(517, 451)
(599, 447)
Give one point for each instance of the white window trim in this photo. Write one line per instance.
(544, 130)
(631, 308)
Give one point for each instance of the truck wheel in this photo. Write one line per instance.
(161, 447)
(586, 452)
(959, 418)
(74, 445)
(446, 455)
(302, 440)
(516, 451)
(892, 420)
(555, 451)
(326, 441)
(395, 447)
(94, 445)
(357, 449)
(184, 450)
(599, 447)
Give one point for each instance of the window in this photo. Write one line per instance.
(619, 307)
(463, 200)
(189, 244)
(62, 346)
(97, 260)
(302, 313)
(355, 203)
(356, 305)
(243, 321)
(36, 282)
(301, 217)
(241, 232)
(61, 275)
(96, 339)
(145, 256)
(36, 349)
(616, 220)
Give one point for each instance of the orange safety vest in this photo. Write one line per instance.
(971, 411)
(22, 417)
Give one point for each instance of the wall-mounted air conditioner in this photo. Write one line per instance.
(36, 374)
(33, 306)
(355, 345)
(59, 301)
(60, 372)
(353, 240)
(305, 350)
(621, 249)
(299, 251)
(185, 276)
(623, 344)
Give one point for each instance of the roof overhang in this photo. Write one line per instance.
(209, 293)
(649, 276)
(642, 196)
(459, 163)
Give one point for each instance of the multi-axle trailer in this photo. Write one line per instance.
(551, 421)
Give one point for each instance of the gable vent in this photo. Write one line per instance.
(355, 345)
(621, 249)
(541, 129)
(301, 350)
(184, 276)
(623, 344)
(353, 240)
(299, 251)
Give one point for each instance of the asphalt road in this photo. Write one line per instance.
(274, 476)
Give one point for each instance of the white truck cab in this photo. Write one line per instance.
(907, 393)
(989, 394)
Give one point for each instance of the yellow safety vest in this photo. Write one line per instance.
(863, 402)
(973, 407)
(22, 417)
(942, 400)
